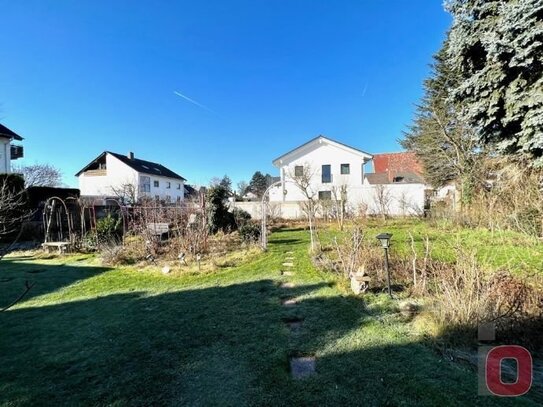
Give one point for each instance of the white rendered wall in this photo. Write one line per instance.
(314, 159)
(5, 156)
(402, 200)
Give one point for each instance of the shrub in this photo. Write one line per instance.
(241, 217)
(108, 229)
(218, 216)
(249, 233)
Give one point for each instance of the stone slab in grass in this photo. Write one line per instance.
(288, 264)
(302, 366)
(287, 273)
(288, 285)
(289, 252)
(291, 302)
(295, 326)
(289, 259)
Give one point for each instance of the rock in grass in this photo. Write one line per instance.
(166, 270)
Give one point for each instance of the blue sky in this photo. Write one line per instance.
(81, 77)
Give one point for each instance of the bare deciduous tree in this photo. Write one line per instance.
(339, 197)
(40, 175)
(126, 193)
(382, 200)
(309, 206)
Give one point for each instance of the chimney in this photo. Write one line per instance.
(130, 155)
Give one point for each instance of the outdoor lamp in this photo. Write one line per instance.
(384, 238)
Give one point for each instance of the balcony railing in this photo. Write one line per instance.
(95, 173)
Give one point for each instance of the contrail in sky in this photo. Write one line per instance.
(193, 101)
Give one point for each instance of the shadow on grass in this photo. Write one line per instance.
(214, 346)
(47, 278)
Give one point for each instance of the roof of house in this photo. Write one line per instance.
(141, 166)
(319, 139)
(405, 161)
(378, 178)
(5, 132)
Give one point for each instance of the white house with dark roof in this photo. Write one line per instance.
(8, 150)
(111, 174)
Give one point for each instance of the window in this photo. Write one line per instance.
(157, 198)
(155, 184)
(326, 174)
(178, 186)
(168, 185)
(345, 169)
(298, 171)
(325, 195)
(178, 199)
(168, 198)
(145, 184)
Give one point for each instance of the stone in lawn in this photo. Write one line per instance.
(302, 367)
(294, 325)
(289, 303)
(289, 259)
(288, 264)
(287, 273)
(166, 270)
(289, 252)
(287, 285)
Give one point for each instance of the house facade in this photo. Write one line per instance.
(324, 165)
(130, 178)
(8, 150)
(327, 170)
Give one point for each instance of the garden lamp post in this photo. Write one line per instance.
(384, 238)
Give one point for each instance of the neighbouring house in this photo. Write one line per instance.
(130, 179)
(8, 150)
(335, 170)
(328, 163)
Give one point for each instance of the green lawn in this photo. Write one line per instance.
(90, 335)
(497, 250)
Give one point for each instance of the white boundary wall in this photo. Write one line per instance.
(402, 200)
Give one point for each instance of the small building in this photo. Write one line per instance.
(8, 150)
(130, 179)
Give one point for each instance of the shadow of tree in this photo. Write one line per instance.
(219, 345)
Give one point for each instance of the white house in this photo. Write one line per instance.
(8, 150)
(111, 174)
(330, 167)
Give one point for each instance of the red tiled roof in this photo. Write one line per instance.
(393, 163)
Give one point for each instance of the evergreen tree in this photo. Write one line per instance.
(259, 183)
(497, 46)
(444, 144)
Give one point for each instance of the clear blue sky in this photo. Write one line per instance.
(81, 77)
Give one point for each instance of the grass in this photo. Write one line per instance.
(93, 335)
(496, 250)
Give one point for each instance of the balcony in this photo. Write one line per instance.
(95, 173)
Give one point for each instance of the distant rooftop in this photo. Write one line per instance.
(5, 132)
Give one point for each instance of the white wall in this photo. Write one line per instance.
(403, 200)
(118, 174)
(314, 158)
(5, 155)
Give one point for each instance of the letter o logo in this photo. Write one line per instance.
(493, 370)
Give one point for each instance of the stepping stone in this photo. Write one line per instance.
(289, 252)
(287, 273)
(289, 303)
(287, 285)
(302, 367)
(288, 264)
(289, 258)
(294, 325)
